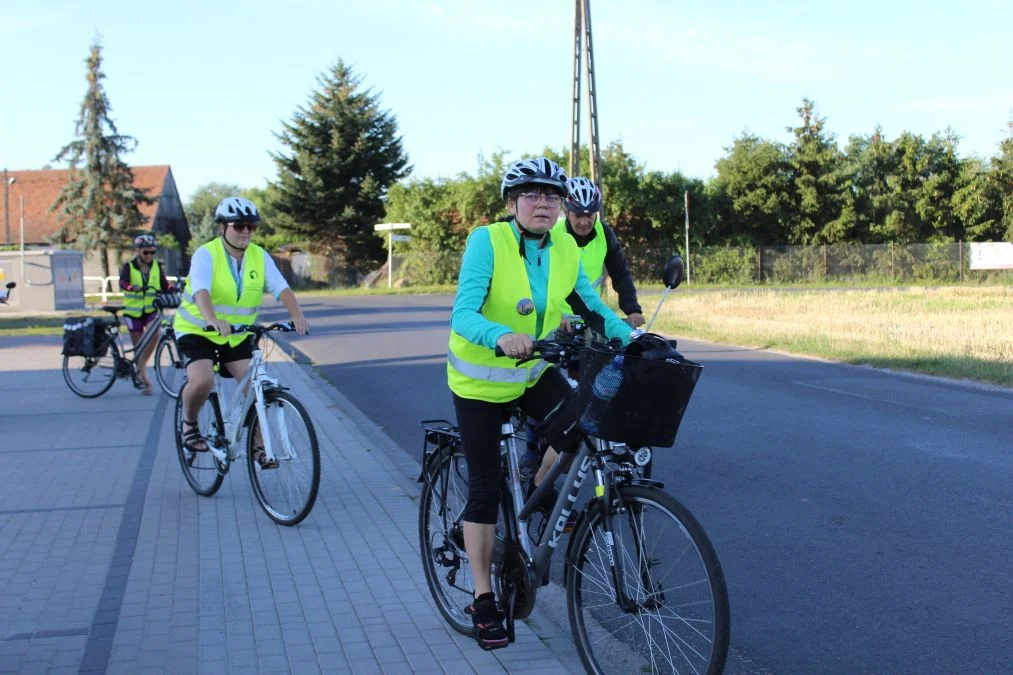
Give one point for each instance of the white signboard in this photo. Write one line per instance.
(992, 256)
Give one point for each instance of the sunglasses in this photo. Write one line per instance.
(244, 227)
(147, 253)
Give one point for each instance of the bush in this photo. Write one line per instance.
(724, 265)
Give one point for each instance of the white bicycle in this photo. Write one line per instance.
(286, 479)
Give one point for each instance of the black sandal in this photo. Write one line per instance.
(487, 622)
(192, 440)
(260, 457)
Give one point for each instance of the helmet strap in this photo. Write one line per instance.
(229, 244)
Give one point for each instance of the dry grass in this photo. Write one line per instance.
(960, 332)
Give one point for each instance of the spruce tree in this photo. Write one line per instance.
(343, 153)
(818, 191)
(99, 206)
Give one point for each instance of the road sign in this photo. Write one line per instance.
(391, 238)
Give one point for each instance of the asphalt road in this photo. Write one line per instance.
(863, 518)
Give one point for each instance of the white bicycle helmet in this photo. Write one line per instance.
(236, 210)
(142, 240)
(540, 170)
(583, 196)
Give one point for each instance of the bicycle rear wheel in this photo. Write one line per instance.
(441, 536)
(90, 377)
(288, 491)
(169, 367)
(200, 469)
(679, 619)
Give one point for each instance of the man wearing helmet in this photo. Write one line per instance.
(141, 278)
(226, 284)
(600, 251)
(514, 280)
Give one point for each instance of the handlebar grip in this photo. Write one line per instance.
(499, 351)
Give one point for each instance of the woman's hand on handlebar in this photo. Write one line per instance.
(515, 345)
(223, 327)
(301, 325)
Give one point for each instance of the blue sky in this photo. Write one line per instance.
(204, 86)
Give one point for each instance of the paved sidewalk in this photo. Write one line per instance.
(110, 563)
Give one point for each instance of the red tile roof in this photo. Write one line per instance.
(40, 190)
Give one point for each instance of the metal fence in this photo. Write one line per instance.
(889, 263)
(834, 263)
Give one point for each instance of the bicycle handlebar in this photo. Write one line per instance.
(256, 329)
(173, 288)
(553, 350)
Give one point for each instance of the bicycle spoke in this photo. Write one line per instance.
(446, 563)
(286, 492)
(677, 622)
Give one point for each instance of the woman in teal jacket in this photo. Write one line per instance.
(515, 277)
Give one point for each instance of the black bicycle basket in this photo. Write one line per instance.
(630, 399)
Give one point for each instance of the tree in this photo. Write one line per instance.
(984, 198)
(205, 198)
(751, 193)
(817, 189)
(869, 165)
(200, 212)
(344, 153)
(1001, 180)
(99, 205)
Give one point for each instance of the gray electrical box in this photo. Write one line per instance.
(47, 280)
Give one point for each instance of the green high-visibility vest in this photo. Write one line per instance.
(474, 371)
(137, 303)
(228, 304)
(592, 256)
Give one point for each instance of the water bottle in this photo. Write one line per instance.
(603, 390)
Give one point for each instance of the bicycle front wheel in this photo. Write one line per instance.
(441, 536)
(286, 492)
(169, 367)
(90, 377)
(677, 620)
(200, 469)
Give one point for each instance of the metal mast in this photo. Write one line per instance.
(583, 45)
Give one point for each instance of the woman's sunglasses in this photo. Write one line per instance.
(147, 252)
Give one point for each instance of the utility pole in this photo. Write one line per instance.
(575, 102)
(687, 236)
(7, 208)
(582, 46)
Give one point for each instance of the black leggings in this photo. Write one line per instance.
(479, 425)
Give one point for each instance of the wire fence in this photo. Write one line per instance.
(771, 265)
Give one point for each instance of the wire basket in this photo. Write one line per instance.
(634, 400)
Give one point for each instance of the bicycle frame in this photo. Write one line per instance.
(249, 392)
(132, 354)
(517, 512)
